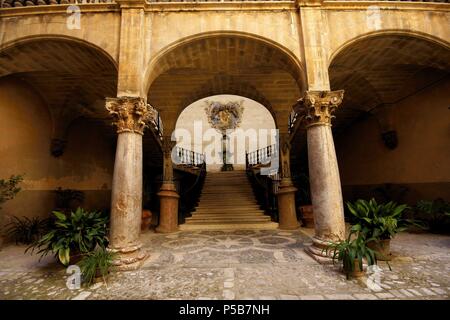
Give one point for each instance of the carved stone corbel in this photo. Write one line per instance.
(386, 121)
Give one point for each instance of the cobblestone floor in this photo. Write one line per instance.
(243, 264)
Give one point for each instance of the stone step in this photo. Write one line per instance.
(229, 214)
(229, 205)
(226, 199)
(227, 202)
(233, 226)
(227, 219)
(231, 209)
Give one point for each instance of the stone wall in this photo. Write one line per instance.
(25, 132)
(255, 116)
(421, 160)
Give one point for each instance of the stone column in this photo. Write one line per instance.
(130, 116)
(317, 108)
(286, 190)
(168, 196)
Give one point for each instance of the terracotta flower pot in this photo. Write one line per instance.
(382, 249)
(146, 220)
(99, 278)
(307, 216)
(357, 272)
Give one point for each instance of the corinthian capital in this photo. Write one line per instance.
(130, 114)
(318, 107)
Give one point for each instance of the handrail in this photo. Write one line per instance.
(260, 156)
(189, 196)
(292, 119)
(189, 157)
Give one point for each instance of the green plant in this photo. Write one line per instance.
(78, 232)
(348, 251)
(9, 188)
(95, 264)
(378, 221)
(26, 230)
(436, 213)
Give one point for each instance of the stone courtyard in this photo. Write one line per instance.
(238, 264)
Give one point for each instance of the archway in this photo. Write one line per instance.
(392, 128)
(217, 64)
(57, 85)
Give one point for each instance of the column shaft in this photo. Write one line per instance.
(286, 192)
(317, 108)
(168, 196)
(130, 116)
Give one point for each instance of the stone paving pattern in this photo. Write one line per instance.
(243, 264)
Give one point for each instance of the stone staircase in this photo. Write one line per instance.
(227, 202)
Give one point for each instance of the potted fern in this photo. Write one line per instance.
(379, 222)
(352, 253)
(96, 265)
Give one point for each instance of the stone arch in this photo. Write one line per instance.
(379, 69)
(386, 32)
(156, 65)
(70, 74)
(215, 63)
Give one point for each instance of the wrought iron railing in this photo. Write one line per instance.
(190, 189)
(261, 156)
(156, 124)
(293, 116)
(189, 157)
(265, 189)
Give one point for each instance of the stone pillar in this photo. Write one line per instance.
(286, 190)
(130, 116)
(168, 196)
(317, 108)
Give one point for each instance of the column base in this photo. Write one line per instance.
(129, 258)
(168, 216)
(286, 206)
(318, 253)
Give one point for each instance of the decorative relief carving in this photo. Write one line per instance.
(223, 117)
(390, 139)
(318, 107)
(130, 114)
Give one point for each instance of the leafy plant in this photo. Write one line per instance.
(436, 213)
(9, 188)
(26, 230)
(378, 221)
(75, 233)
(96, 263)
(348, 251)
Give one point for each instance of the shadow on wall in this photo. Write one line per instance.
(25, 149)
